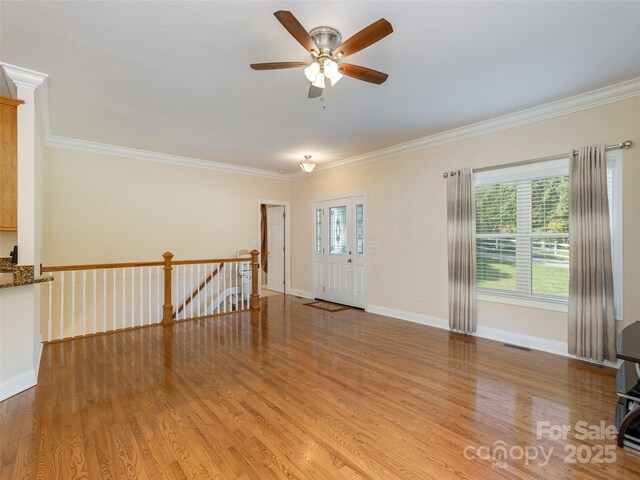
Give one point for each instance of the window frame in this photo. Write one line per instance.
(555, 168)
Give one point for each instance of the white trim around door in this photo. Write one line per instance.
(287, 241)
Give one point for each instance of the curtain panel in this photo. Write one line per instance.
(592, 326)
(461, 240)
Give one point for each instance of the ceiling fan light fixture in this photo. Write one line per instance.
(319, 81)
(311, 72)
(336, 78)
(307, 166)
(330, 68)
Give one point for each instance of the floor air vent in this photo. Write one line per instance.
(517, 346)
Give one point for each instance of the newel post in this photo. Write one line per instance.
(255, 297)
(167, 308)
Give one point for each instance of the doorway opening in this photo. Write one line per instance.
(273, 227)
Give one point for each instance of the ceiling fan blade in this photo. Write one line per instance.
(315, 92)
(365, 37)
(297, 31)
(363, 73)
(277, 65)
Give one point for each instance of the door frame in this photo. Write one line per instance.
(312, 245)
(287, 240)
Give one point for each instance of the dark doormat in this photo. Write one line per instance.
(327, 306)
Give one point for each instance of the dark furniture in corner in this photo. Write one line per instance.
(628, 387)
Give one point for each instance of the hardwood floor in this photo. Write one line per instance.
(296, 392)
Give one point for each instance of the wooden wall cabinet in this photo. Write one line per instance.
(9, 164)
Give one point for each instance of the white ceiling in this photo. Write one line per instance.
(174, 77)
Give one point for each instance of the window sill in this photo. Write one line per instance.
(543, 304)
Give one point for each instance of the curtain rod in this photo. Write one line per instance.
(623, 146)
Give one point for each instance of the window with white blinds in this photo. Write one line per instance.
(522, 229)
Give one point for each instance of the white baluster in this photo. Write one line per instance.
(141, 297)
(190, 292)
(149, 296)
(49, 313)
(158, 302)
(207, 287)
(61, 304)
(95, 303)
(84, 302)
(104, 300)
(133, 296)
(198, 289)
(124, 296)
(175, 303)
(218, 288)
(210, 296)
(241, 286)
(224, 291)
(113, 313)
(242, 273)
(73, 303)
(178, 287)
(184, 290)
(180, 299)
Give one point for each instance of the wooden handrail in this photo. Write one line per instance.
(198, 289)
(99, 266)
(212, 260)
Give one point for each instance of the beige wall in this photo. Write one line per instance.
(101, 208)
(407, 214)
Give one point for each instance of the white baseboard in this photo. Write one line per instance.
(301, 293)
(522, 340)
(17, 384)
(536, 343)
(409, 316)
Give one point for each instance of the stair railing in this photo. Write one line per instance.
(85, 300)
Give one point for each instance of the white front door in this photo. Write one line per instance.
(339, 258)
(275, 246)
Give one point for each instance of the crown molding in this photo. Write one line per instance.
(23, 77)
(601, 96)
(114, 150)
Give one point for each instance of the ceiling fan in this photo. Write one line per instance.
(327, 51)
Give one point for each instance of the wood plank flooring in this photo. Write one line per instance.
(296, 392)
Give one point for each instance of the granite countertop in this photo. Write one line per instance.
(18, 275)
(9, 281)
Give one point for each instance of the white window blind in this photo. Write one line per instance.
(522, 230)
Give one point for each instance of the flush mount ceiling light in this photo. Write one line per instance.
(307, 166)
(327, 51)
